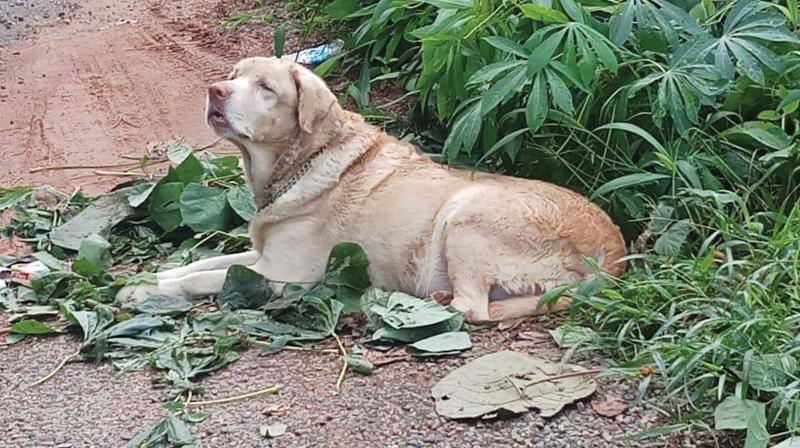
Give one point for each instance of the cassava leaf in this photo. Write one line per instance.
(542, 55)
(165, 205)
(542, 13)
(346, 274)
(163, 304)
(94, 257)
(505, 44)
(536, 109)
(501, 90)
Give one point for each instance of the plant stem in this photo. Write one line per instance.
(565, 375)
(340, 378)
(343, 372)
(267, 391)
(58, 367)
(297, 349)
(332, 351)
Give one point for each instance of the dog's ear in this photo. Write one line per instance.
(314, 100)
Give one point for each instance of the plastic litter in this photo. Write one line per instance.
(24, 274)
(316, 55)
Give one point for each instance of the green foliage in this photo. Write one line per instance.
(718, 321)
(346, 274)
(243, 288)
(678, 117)
(204, 196)
(529, 89)
(399, 317)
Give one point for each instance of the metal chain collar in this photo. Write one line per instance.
(278, 188)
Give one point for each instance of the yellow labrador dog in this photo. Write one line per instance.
(321, 176)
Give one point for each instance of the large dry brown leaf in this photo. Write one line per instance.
(509, 382)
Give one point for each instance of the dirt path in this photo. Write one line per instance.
(92, 406)
(99, 85)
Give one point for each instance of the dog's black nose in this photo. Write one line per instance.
(218, 91)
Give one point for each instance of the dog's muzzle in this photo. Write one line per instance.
(215, 107)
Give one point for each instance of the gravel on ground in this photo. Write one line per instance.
(87, 405)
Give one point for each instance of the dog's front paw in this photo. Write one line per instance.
(134, 294)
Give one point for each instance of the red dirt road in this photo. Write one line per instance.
(96, 88)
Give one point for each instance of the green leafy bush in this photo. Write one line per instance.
(681, 119)
(676, 95)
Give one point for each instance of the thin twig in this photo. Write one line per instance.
(121, 120)
(93, 167)
(268, 391)
(297, 349)
(340, 378)
(188, 399)
(210, 145)
(80, 167)
(343, 372)
(331, 351)
(389, 360)
(5, 330)
(118, 173)
(566, 375)
(167, 44)
(58, 367)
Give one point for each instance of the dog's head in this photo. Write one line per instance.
(270, 101)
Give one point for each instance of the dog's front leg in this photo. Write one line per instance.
(196, 284)
(210, 264)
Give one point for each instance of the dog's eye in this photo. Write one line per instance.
(232, 76)
(265, 85)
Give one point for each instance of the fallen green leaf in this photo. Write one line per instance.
(734, 413)
(243, 288)
(98, 218)
(94, 257)
(33, 327)
(346, 273)
(204, 208)
(444, 344)
(359, 364)
(162, 304)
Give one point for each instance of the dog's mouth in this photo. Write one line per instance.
(220, 123)
(217, 120)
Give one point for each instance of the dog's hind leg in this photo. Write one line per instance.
(516, 307)
(470, 295)
(210, 264)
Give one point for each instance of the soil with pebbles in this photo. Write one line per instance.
(86, 405)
